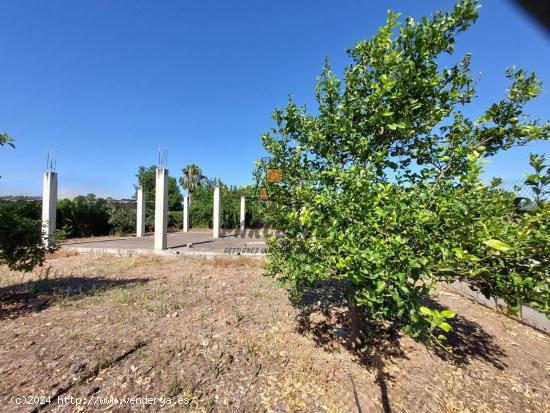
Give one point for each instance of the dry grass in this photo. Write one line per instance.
(219, 333)
(226, 262)
(62, 253)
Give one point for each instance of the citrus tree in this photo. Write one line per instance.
(381, 184)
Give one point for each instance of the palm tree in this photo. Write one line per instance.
(191, 178)
(5, 139)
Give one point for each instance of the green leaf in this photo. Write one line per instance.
(459, 253)
(497, 245)
(425, 311)
(446, 327)
(405, 289)
(448, 314)
(380, 286)
(513, 309)
(470, 258)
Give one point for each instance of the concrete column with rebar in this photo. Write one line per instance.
(49, 207)
(140, 218)
(186, 213)
(243, 213)
(216, 213)
(161, 209)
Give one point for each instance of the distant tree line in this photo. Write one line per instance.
(21, 246)
(82, 216)
(90, 215)
(201, 191)
(200, 210)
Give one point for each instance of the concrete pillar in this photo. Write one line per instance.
(161, 209)
(186, 213)
(216, 213)
(243, 213)
(49, 207)
(140, 219)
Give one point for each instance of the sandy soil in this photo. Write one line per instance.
(223, 338)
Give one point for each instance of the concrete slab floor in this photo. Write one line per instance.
(230, 243)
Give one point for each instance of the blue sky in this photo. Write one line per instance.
(105, 83)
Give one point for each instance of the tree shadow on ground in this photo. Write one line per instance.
(21, 299)
(324, 315)
(469, 341)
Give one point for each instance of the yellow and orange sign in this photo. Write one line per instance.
(263, 194)
(274, 175)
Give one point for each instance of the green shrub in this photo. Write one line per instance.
(122, 220)
(175, 220)
(83, 216)
(21, 246)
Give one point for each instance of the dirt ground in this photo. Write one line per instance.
(216, 336)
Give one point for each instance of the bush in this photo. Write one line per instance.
(122, 220)
(83, 216)
(201, 207)
(21, 246)
(89, 215)
(175, 220)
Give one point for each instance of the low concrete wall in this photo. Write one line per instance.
(530, 317)
(184, 252)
